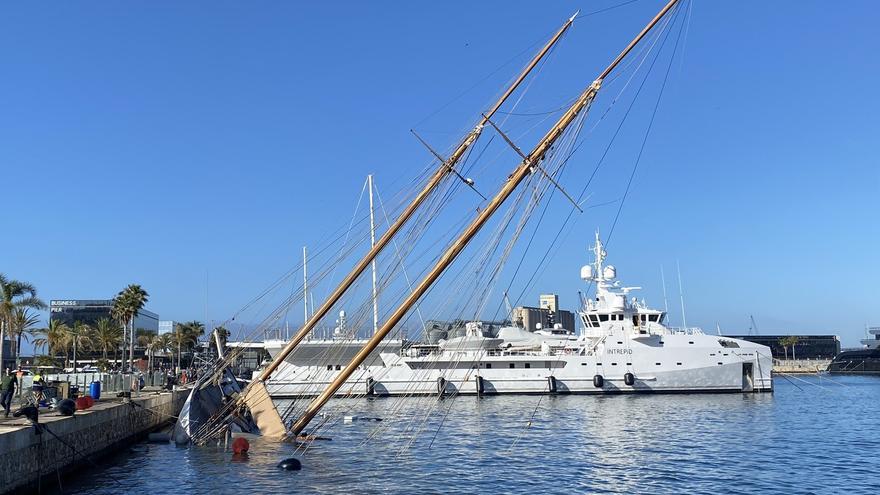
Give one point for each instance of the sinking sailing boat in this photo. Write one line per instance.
(256, 396)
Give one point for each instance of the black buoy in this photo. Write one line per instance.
(66, 407)
(480, 385)
(290, 464)
(551, 384)
(629, 379)
(371, 387)
(598, 381)
(29, 412)
(441, 386)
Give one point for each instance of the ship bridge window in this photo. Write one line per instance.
(528, 365)
(512, 365)
(653, 317)
(603, 317)
(594, 319)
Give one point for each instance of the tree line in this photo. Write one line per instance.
(19, 319)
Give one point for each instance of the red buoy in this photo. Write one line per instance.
(84, 403)
(240, 445)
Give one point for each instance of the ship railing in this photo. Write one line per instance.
(686, 330)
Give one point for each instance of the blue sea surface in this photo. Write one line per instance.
(812, 435)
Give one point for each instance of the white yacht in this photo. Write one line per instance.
(624, 347)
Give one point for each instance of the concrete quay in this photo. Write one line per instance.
(29, 460)
(800, 365)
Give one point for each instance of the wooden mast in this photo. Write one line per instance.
(520, 173)
(445, 168)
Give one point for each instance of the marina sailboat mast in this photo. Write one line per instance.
(373, 245)
(445, 169)
(530, 164)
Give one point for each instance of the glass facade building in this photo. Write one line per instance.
(89, 311)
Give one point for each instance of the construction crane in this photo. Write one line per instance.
(753, 327)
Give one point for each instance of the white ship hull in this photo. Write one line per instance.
(675, 366)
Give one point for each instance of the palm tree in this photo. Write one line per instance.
(55, 338)
(14, 294)
(80, 337)
(146, 339)
(22, 324)
(187, 335)
(164, 344)
(126, 306)
(223, 333)
(787, 342)
(783, 341)
(108, 336)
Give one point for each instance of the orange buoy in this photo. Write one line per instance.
(240, 445)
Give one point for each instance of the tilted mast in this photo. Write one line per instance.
(256, 396)
(445, 168)
(527, 166)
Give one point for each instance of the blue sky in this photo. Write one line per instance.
(155, 143)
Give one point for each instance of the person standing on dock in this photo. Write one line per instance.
(7, 388)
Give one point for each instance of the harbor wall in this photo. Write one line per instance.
(800, 365)
(28, 456)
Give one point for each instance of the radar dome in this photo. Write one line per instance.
(610, 272)
(587, 272)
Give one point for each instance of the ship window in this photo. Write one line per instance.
(678, 364)
(661, 342)
(712, 354)
(629, 364)
(643, 318)
(338, 367)
(528, 365)
(691, 342)
(598, 364)
(488, 365)
(594, 319)
(583, 364)
(329, 367)
(603, 317)
(613, 364)
(619, 342)
(720, 362)
(652, 317)
(512, 365)
(658, 364)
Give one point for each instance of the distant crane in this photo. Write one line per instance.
(753, 326)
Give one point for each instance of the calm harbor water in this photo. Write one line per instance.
(813, 435)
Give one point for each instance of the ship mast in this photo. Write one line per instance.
(372, 245)
(445, 169)
(526, 167)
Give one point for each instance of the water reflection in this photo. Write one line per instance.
(799, 439)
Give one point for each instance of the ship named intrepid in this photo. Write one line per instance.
(624, 347)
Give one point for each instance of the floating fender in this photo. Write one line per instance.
(66, 407)
(291, 464)
(598, 381)
(480, 385)
(29, 412)
(441, 386)
(240, 446)
(629, 379)
(551, 384)
(371, 386)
